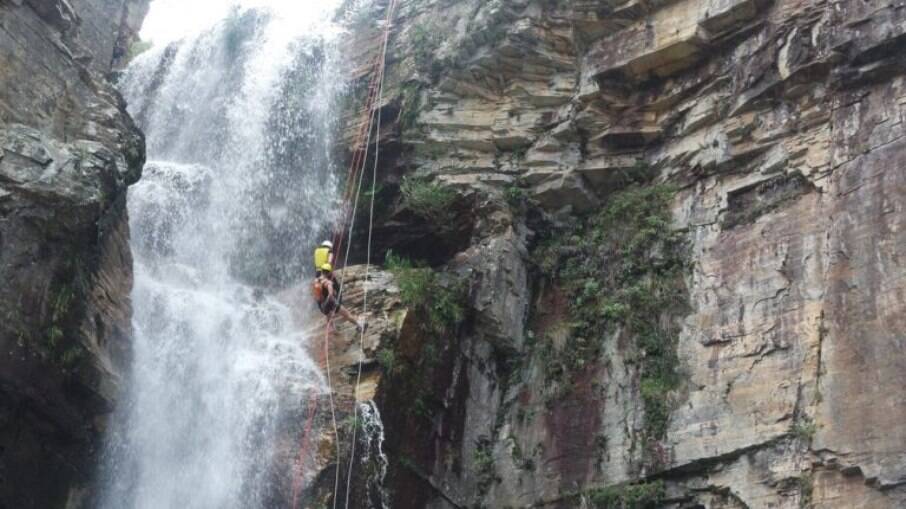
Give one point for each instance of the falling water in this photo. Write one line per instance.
(238, 186)
(373, 454)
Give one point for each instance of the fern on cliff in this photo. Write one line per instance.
(623, 269)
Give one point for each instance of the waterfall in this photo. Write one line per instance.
(373, 454)
(238, 187)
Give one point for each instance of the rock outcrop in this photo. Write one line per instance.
(778, 128)
(68, 151)
(355, 364)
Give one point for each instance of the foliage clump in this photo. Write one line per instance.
(516, 197)
(806, 484)
(805, 430)
(410, 105)
(623, 270)
(436, 310)
(483, 462)
(426, 40)
(648, 495)
(386, 357)
(421, 289)
(428, 199)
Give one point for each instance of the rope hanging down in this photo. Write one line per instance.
(377, 154)
(351, 196)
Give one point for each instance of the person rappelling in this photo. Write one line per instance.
(326, 288)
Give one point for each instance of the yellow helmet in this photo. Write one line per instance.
(327, 267)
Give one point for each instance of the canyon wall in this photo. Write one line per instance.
(669, 237)
(68, 151)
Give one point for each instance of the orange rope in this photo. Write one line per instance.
(356, 166)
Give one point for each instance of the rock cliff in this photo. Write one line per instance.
(68, 151)
(669, 239)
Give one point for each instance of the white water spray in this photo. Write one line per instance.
(373, 454)
(238, 186)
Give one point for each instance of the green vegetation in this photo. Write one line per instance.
(65, 355)
(350, 423)
(386, 357)
(806, 484)
(420, 288)
(428, 199)
(426, 41)
(483, 463)
(805, 430)
(439, 308)
(623, 271)
(648, 495)
(516, 196)
(410, 105)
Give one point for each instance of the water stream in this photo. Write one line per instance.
(373, 455)
(238, 186)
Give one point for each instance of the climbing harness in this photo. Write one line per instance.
(351, 195)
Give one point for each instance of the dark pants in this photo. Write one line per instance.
(329, 306)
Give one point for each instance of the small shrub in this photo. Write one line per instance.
(483, 463)
(634, 496)
(421, 289)
(515, 196)
(428, 199)
(387, 360)
(805, 430)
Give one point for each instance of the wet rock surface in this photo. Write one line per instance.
(779, 126)
(356, 364)
(68, 151)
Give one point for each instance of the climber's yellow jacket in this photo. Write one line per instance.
(323, 254)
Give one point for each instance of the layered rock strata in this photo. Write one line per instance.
(68, 151)
(779, 126)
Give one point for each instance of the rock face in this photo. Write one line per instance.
(68, 151)
(355, 367)
(779, 126)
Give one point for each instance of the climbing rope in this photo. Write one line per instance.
(351, 194)
(377, 153)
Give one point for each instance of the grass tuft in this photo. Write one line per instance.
(428, 199)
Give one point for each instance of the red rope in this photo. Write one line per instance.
(357, 164)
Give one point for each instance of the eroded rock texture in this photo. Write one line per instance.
(68, 151)
(780, 124)
(355, 365)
